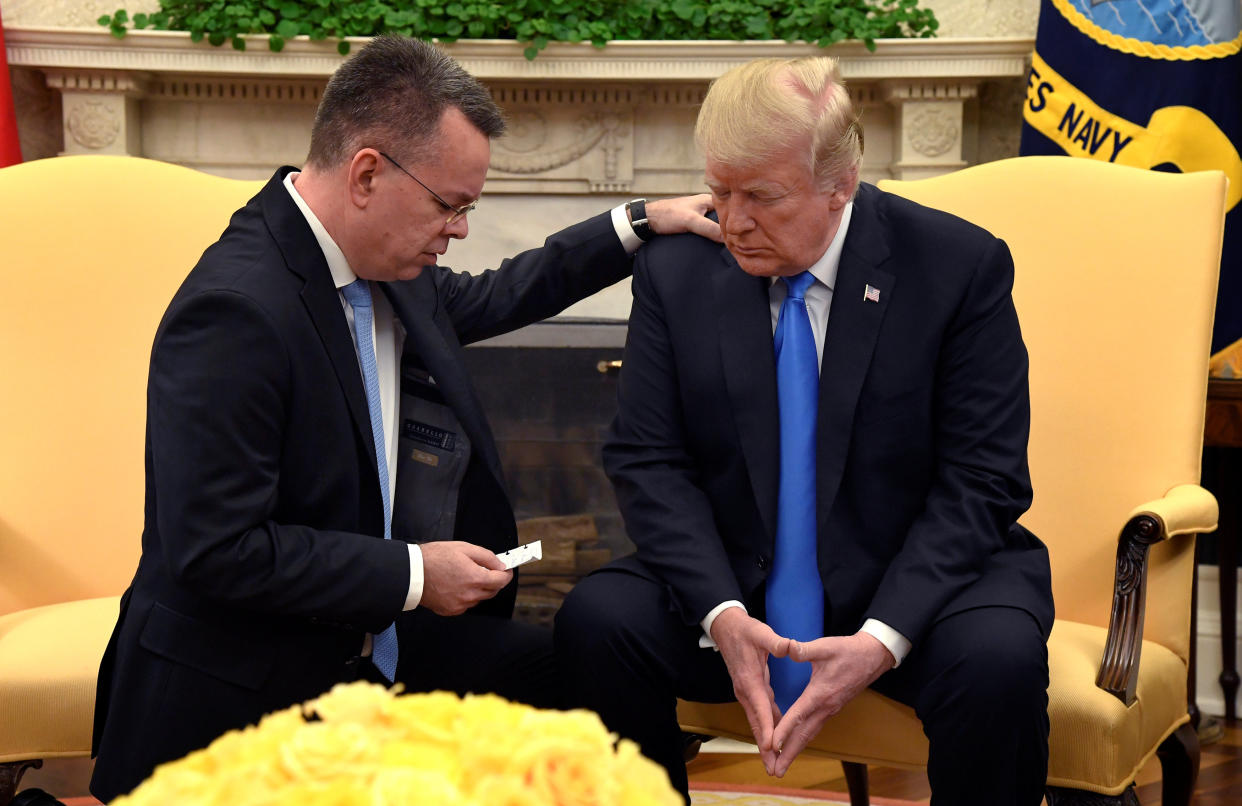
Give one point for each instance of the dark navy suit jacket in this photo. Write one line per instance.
(921, 435)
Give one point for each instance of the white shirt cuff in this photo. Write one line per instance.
(894, 641)
(416, 577)
(705, 640)
(621, 223)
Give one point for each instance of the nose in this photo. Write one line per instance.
(459, 228)
(735, 218)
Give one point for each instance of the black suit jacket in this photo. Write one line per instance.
(921, 435)
(263, 562)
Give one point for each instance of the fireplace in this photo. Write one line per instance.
(549, 405)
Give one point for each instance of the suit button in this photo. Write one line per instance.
(762, 562)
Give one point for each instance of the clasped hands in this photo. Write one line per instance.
(841, 667)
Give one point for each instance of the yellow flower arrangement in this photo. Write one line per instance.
(361, 745)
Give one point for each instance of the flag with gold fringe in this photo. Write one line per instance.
(1152, 84)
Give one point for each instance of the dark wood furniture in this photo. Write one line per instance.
(1223, 429)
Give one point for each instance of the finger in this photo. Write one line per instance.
(810, 651)
(789, 723)
(484, 557)
(496, 580)
(798, 651)
(769, 759)
(797, 742)
(707, 228)
(757, 703)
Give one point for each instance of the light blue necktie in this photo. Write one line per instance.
(358, 295)
(795, 594)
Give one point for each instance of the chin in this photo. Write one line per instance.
(758, 267)
(411, 272)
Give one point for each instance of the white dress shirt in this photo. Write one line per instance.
(818, 298)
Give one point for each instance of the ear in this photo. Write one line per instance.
(361, 176)
(846, 187)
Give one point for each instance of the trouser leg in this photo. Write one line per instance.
(480, 654)
(627, 655)
(979, 683)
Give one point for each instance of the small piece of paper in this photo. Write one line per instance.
(522, 554)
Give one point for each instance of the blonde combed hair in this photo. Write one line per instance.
(756, 110)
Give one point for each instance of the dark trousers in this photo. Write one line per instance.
(978, 681)
(479, 654)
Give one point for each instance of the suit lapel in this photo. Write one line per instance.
(744, 321)
(304, 258)
(849, 343)
(414, 304)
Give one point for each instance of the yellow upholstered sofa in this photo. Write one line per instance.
(91, 250)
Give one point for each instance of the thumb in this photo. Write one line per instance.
(483, 557)
(798, 651)
(779, 646)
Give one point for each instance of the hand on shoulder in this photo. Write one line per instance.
(684, 214)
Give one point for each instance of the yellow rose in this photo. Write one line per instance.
(509, 790)
(427, 756)
(326, 750)
(428, 717)
(407, 787)
(338, 792)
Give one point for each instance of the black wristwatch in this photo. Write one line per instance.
(636, 212)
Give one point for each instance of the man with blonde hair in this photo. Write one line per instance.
(820, 454)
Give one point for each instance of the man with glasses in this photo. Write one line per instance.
(324, 500)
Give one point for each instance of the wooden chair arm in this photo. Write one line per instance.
(1186, 509)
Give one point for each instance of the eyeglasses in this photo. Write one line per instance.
(457, 212)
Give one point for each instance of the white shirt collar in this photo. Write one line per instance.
(342, 274)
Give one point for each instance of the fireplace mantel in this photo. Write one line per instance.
(156, 93)
(588, 127)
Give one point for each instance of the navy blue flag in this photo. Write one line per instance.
(1149, 83)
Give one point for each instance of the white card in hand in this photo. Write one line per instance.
(522, 554)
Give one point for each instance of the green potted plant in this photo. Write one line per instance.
(535, 22)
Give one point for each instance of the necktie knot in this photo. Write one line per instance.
(357, 294)
(798, 284)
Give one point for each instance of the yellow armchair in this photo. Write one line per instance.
(93, 249)
(1116, 272)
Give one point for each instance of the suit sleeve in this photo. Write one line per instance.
(571, 265)
(647, 458)
(217, 403)
(981, 482)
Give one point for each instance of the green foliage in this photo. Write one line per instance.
(535, 22)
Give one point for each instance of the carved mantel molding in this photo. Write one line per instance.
(586, 120)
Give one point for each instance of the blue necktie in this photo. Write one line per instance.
(795, 594)
(358, 295)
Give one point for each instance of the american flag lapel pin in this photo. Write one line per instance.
(871, 294)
